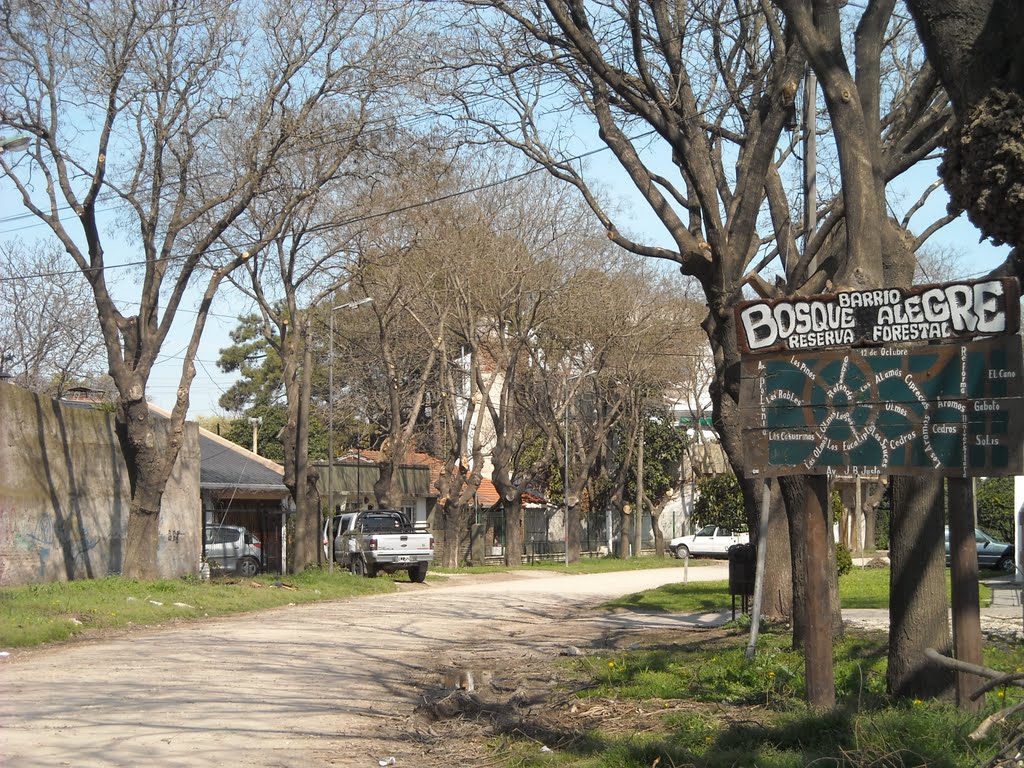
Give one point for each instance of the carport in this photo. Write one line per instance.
(239, 487)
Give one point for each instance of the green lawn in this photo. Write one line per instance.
(43, 613)
(697, 702)
(861, 588)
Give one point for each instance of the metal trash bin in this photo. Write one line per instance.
(742, 570)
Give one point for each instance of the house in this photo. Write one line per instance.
(239, 487)
(348, 485)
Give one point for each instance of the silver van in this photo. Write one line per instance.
(233, 548)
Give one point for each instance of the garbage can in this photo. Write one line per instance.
(742, 568)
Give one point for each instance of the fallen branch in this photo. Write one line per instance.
(996, 679)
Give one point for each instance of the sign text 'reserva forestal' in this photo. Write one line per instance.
(884, 316)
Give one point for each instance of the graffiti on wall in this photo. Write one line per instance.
(44, 538)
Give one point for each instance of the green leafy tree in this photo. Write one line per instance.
(258, 364)
(663, 450)
(259, 394)
(994, 497)
(720, 502)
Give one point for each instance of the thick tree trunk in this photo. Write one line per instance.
(625, 526)
(973, 45)
(513, 531)
(140, 551)
(149, 455)
(452, 524)
(572, 533)
(305, 547)
(778, 590)
(918, 609)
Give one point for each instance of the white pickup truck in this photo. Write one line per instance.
(378, 540)
(712, 540)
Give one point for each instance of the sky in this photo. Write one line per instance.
(976, 259)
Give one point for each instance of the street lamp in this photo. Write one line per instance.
(330, 430)
(15, 143)
(565, 482)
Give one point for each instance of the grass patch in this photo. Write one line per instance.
(607, 564)
(702, 705)
(43, 613)
(860, 588)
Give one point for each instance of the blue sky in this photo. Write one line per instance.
(976, 259)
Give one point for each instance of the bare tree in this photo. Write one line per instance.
(876, 246)
(712, 86)
(49, 337)
(173, 118)
(974, 46)
(314, 256)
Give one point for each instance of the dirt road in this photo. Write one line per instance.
(326, 684)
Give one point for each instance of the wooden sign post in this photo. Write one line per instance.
(890, 381)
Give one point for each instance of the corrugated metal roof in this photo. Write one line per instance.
(226, 464)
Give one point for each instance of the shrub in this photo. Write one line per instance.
(720, 502)
(844, 560)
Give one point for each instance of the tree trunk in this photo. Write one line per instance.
(659, 537)
(572, 533)
(973, 45)
(513, 531)
(778, 588)
(793, 489)
(306, 544)
(625, 526)
(451, 527)
(918, 609)
(149, 454)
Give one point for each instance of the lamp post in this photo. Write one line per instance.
(15, 143)
(565, 485)
(330, 429)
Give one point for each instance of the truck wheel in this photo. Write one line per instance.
(358, 566)
(418, 573)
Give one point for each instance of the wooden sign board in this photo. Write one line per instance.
(931, 313)
(948, 408)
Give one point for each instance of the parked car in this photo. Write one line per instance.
(378, 540)
(992, 553)
(233, 548)
(711, 540)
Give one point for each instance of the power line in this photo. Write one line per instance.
(327, 226)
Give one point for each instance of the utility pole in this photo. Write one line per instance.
(638, 523)
(328, 527)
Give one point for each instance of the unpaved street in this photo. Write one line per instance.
(324, 684)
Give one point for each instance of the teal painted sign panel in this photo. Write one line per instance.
(946, 408)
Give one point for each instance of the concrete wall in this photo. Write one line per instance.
(64, 495)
